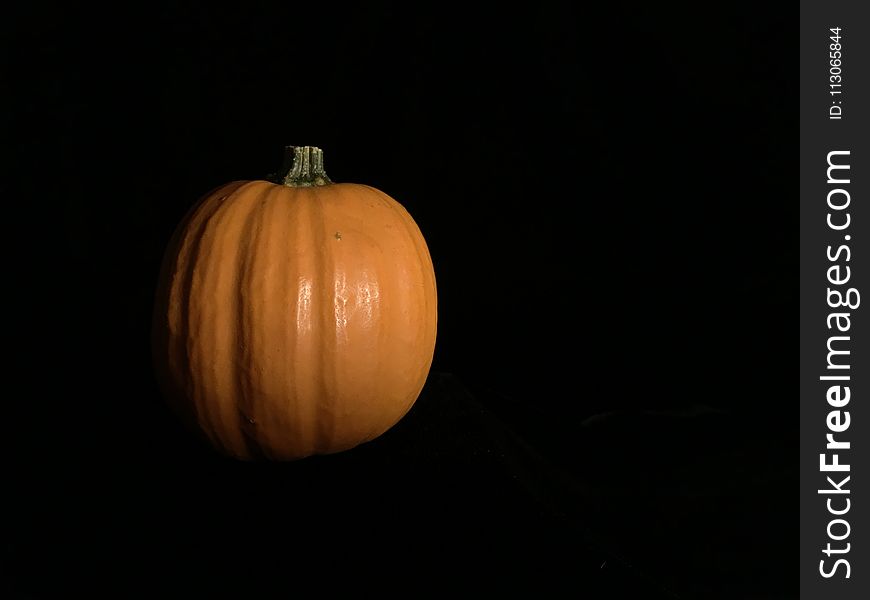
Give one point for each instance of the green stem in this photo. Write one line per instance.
(303, 166)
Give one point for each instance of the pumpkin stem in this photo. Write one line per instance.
(303, 166)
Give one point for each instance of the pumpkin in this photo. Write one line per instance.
(295, 317)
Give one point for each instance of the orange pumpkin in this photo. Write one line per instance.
(295, 318)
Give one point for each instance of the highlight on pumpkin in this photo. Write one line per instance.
(296, 316)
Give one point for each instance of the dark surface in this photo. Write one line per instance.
(641, 505)
(663, 301)
(450, 499)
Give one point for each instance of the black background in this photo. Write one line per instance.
(606, 194)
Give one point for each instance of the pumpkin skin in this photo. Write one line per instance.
(292, 321)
